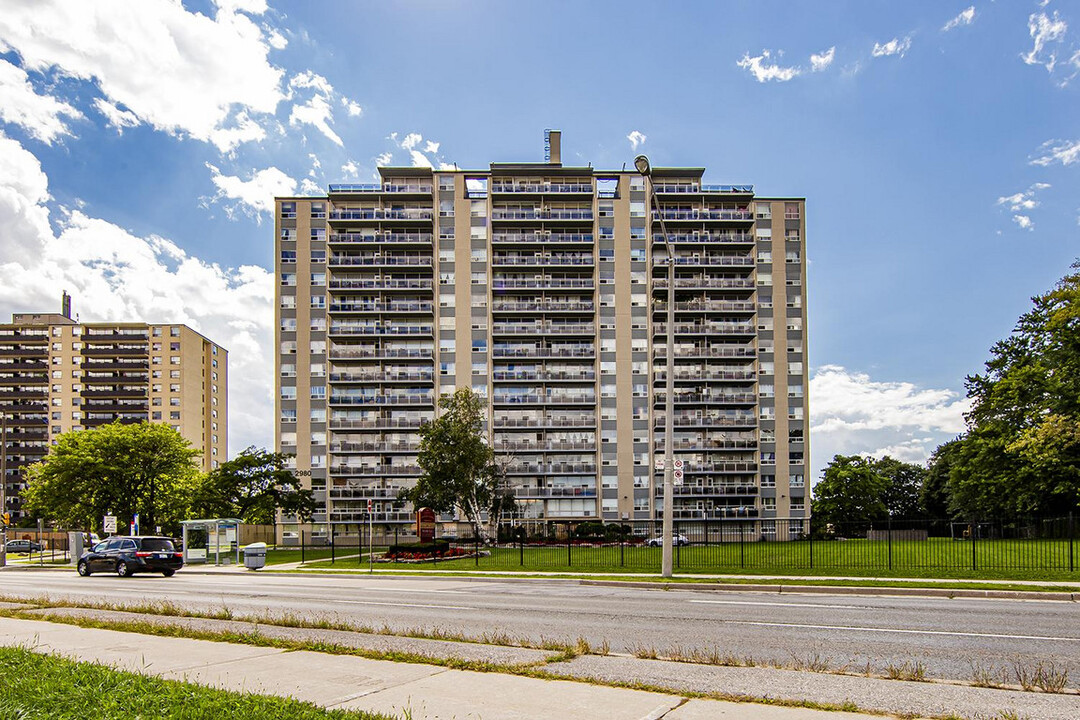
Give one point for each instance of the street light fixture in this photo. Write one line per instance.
(641, 163)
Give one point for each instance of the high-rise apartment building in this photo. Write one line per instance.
(543, 287)
(58, 374)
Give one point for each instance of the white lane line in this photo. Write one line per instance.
(392, 604)
(906, 631)
(781, 604)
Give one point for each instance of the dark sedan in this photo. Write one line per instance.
(129, 555)
(23, 546)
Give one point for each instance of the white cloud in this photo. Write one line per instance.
(384, 159)
(116, 276)
(350, 169)
(1063, 151)
(411, 140)
(42, 116)
(275, 39)
(852, 414)
(636, 138)
(242, 129)
(966, 17)
(431, 147)
(820, 61)
(317, 111)
(763, 71)
(251, 197)
(411, 143)
(896, 46)
(114, 116)
(310, 187)
(353, 108)
(181, 72)
(1044, 29)
(1023, 202)
(255, 7)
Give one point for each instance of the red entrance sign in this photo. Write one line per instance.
(425, 524)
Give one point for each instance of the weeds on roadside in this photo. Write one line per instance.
(989, 677)
(1043, 676)
(914, 671)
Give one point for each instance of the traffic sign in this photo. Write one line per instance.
(677, 477)
(369, 505)
(109, 526)
(678, 464)
(658, 463)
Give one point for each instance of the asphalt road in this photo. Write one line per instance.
(948, 637)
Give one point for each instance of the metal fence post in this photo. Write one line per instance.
(476, 548)
(622, 550)
(301, 547)
(742, 544)
(974, 534)
(333, 550)
(811, 536)
(1071, 535)
(521, 547)
(889, 531)
(675, 532)
(359, 544)
(569, 559)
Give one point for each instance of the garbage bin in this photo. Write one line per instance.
(255, 556)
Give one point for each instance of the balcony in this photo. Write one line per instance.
(380, 261)
(381, 307)
(549, 238)
(541, 214)
(24, 365)
(707, 398)
(694, 188)
(706, 351)
(92, 365)
(709, 238)
(534, 447)
(382, 214)
(532, 491)
(708, 261)
(707, 328)
(544, 352)
(362, 516)
(372, 447)
(349, 353)
(542, 307)
(555, 468)
(116, 351)
(390, 329)
(364, 493)
(588, 421)
(375, 470)
(376, 424)
(102, 337)
(708, 374)
(548, 283)
(701, 282)
(384, 283)
(696, 215)
(378, 377)
(541, 187)
(707, 306)
(727, 420)
(720, 467)
(381, 238)
(541, 376)
(425, 399)
(37, 351)
(542, 260)
(546, 328)
(710, 490)
(542, 399)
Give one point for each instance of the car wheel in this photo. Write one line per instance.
(122, 569)
(84, 568)
(168, 573)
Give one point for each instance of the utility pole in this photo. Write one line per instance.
(3, 489)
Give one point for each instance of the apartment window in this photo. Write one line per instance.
(797, 481)
(318, 347)
(288, 210)
(318, 235)
(478, 208)
(768, 503)
(446, 208)
(288, 279)
(791, 211)
(288, 324)
(637, 209)
(174, 359)
(318, 210)
(791, 235)
(288, 256)
(763, 211)
(288, 392)
(479, 346)
(288, 415)
(288, 347)
(318, 370)
(476, 187)
(156, 415)
(288, 301)
(637, 182)
(318, 392)
(478, 232)
(318, 301)
(318, 279)
(318, 324)
(479, 255)
(288, 370)
(479, 278)
(446, 182)
(174, 414)
(798, 503)
(318, 415)
(175, 402)
(318, 256)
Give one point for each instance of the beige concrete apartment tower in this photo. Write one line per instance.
(542, 287)
(60, 375)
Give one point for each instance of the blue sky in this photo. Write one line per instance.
(937, 144)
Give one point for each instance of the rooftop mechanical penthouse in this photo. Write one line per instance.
(543, 287)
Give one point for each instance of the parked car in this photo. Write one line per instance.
(129, 555)
(23, 546)
(675, 540)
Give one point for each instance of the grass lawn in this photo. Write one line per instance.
(34, 686)
(933, 558)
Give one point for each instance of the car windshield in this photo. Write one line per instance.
(157, 545)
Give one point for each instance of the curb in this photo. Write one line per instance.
(848, 590)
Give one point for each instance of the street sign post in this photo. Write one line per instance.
(109, 525)
(678, 464)
(676, 477)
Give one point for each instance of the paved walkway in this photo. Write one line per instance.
(340, 681)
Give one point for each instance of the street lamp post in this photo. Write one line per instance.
(641, 162)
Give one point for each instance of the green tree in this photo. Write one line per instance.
(252, 486)
(458, 467)
(934, 495)
(119, 469)
(904, 485)
(1022, 450)
(851, 490)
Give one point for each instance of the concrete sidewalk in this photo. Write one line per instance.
(347, 682)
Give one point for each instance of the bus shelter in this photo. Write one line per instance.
(216, 539)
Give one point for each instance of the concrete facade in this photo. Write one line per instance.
(543, 288)
(60, 375)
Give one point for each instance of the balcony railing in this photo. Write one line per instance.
(540, 237)
(346, 469)
(734, 420)
(544, 352)
(381, 214)
(553, 328)
(708, 398)
(380, 238)
(706, 237)
(418, 376)
(708, 260)
(388, 329)
(381, 399)
(551, 375)
(378, 260)
(531, 491)
(707, 282)
(375, 424)
(387, 283)
(546, 422)
(539, 398)
(706, 351)
(390, 307)
(540, 187)
(583, 214)
(710, 328)
(340, 353)
(550, 283)
(551, 468)
(704, 215)
(517, 260)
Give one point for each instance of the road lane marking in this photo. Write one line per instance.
(782, 604)
(412, 605)
(906, 631)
